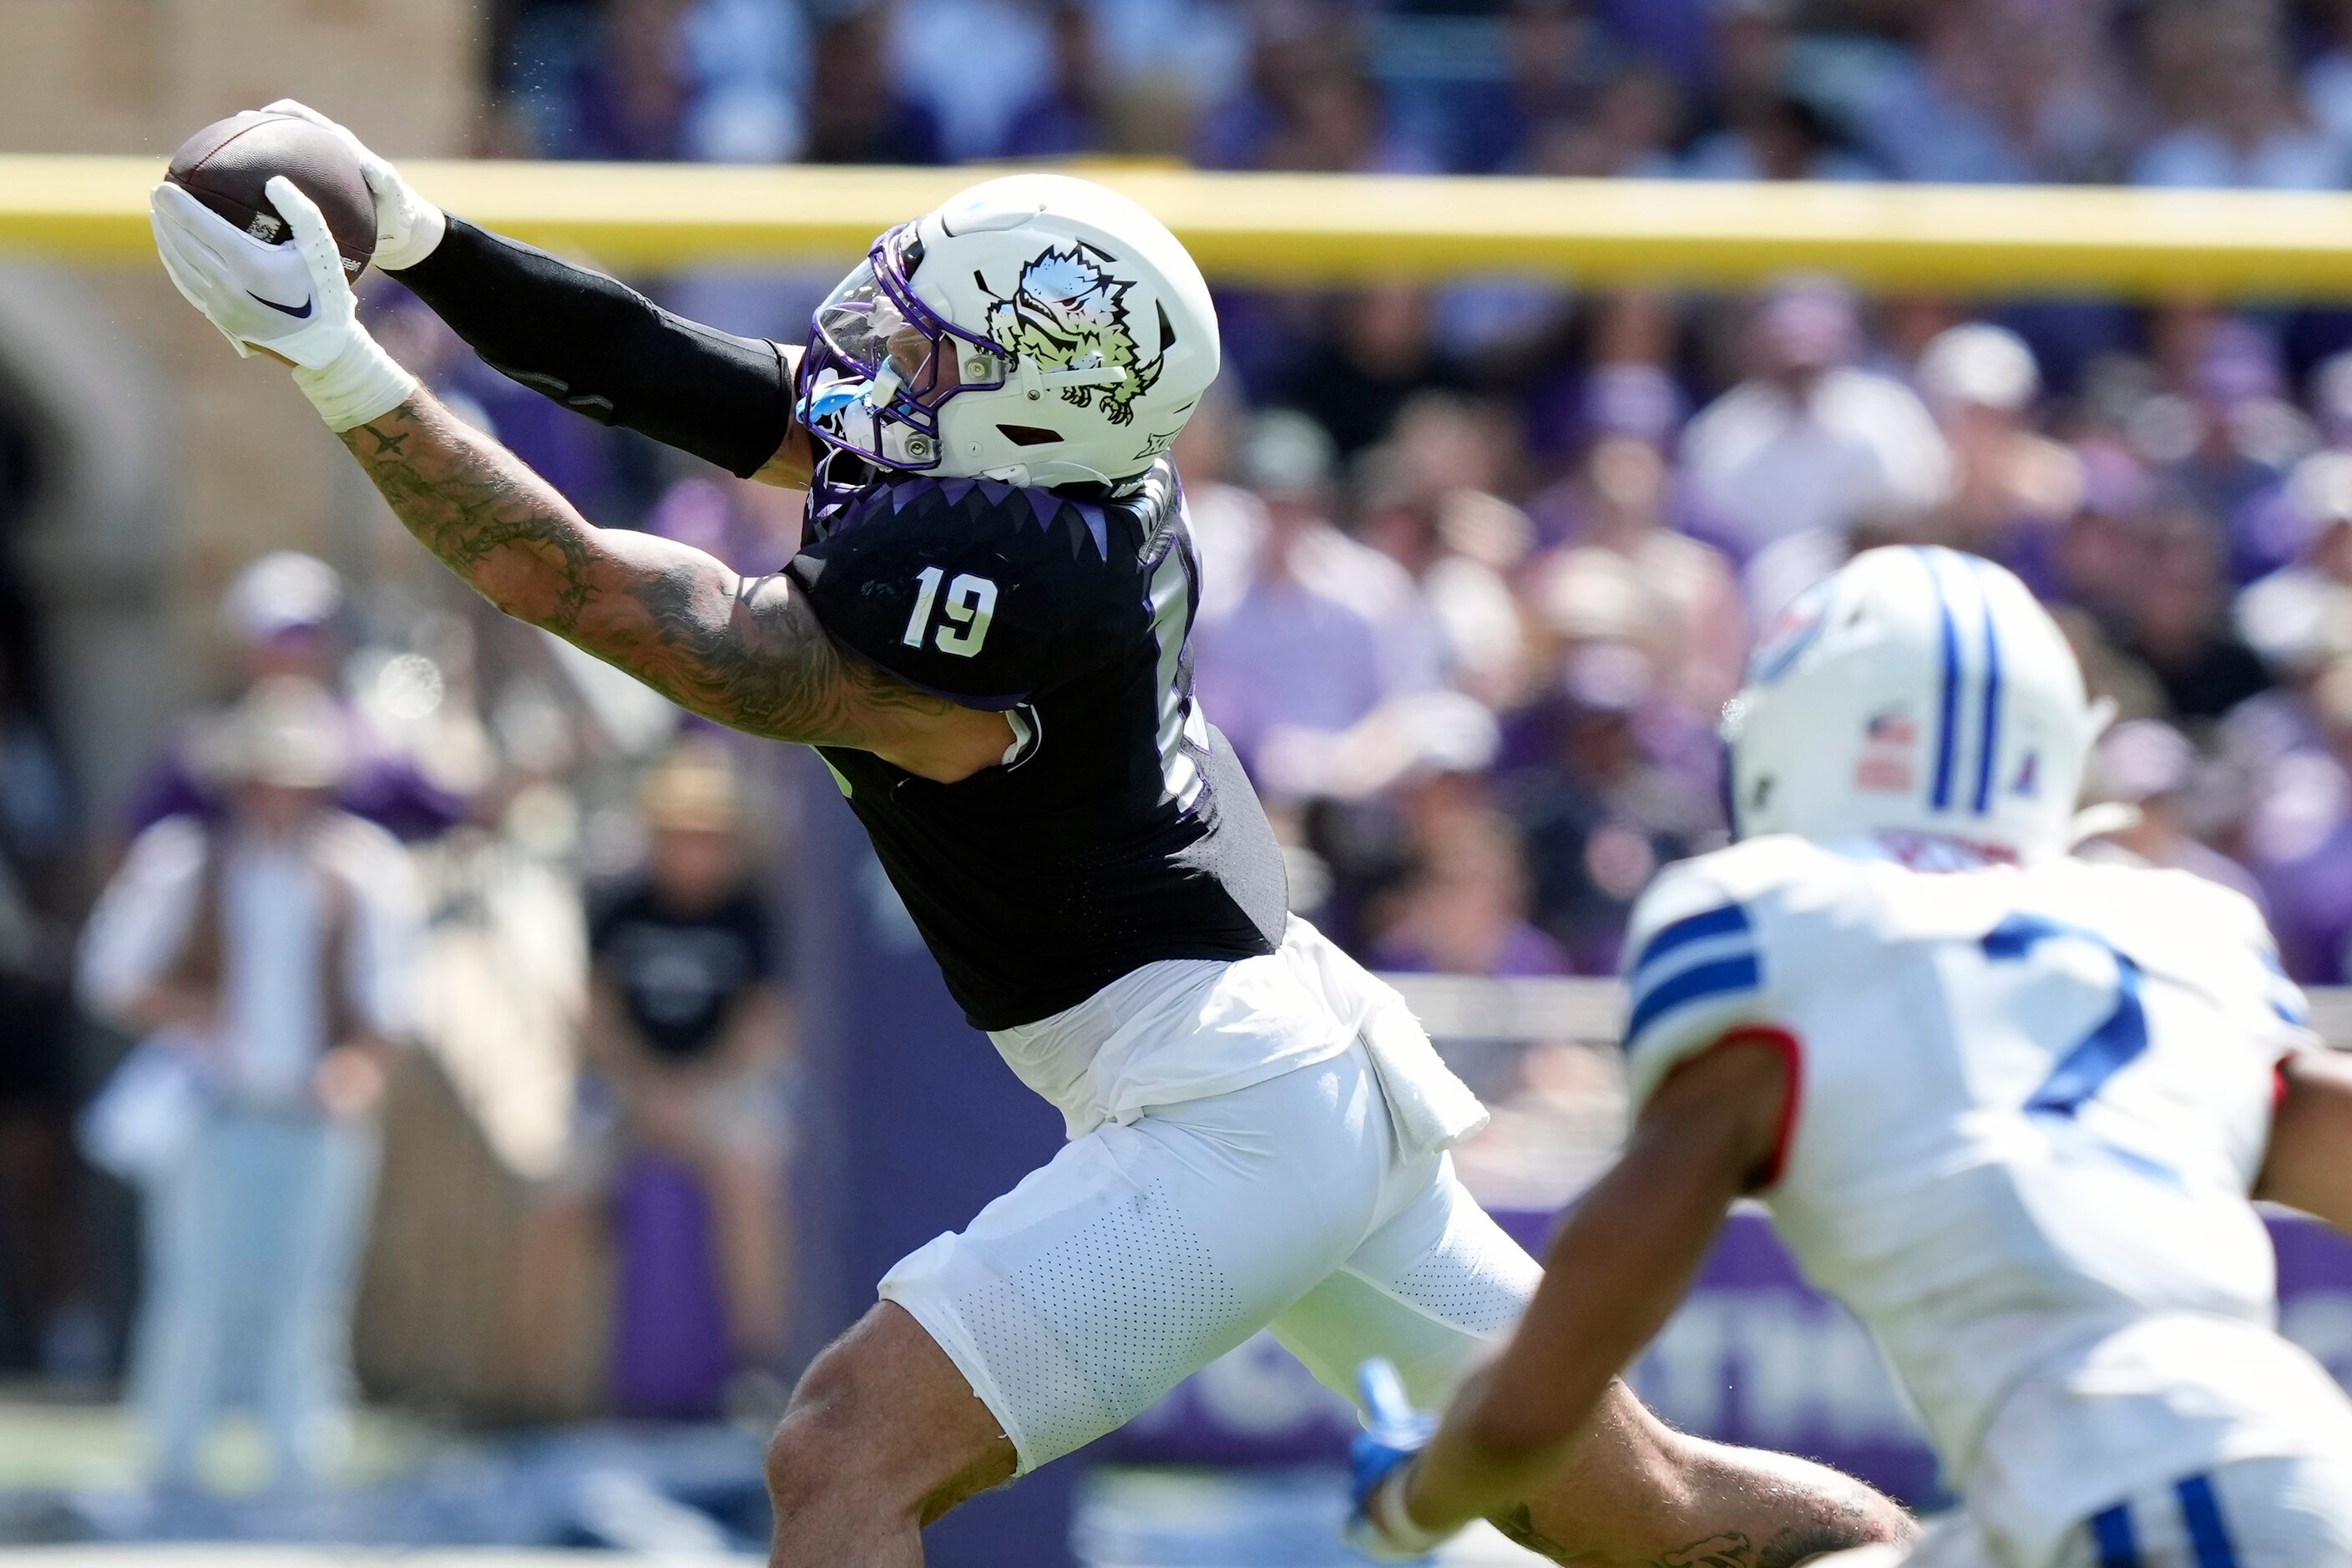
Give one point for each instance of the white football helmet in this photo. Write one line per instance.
(1036, 329)
(1916, 692)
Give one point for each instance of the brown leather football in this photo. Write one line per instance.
(227, 163)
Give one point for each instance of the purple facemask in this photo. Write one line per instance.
(880, 363)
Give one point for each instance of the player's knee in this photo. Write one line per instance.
(812, 1454)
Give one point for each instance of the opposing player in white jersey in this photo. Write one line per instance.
(2010, 1107)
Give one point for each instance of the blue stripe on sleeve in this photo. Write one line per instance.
(1724, 976)
(1949, 722)
(2112, 1533)
(1991, 716)
(1671, 938)
(2209, 1534)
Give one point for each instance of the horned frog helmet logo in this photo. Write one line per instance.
(1067, 313)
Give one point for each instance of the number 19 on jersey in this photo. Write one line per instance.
(964, 613)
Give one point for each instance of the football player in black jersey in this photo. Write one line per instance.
(984, 634)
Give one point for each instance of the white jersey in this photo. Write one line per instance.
(2031, 1105)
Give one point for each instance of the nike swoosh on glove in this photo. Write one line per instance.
(407, 227)
(290, 300)
(1394, 1434)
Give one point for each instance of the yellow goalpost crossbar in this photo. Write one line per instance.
(1302, 228)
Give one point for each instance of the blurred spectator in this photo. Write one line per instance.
(2176, 620)
(1558, 60)
(2301, 615)
(1380, 351)
(1773, 136)
(1073, 113)
(1422, 500)
(282, 614)
(2012, 488)
(2299, 830)
(751, 63)
(689, 1029)
(1809, 443)
(1463, 907)
(40, 1210)
(2327, 81)
(859, 115)
(628, 95)
(1621, 501)
(1607, 802)
(1307, 105)
(1228, 523)
(970, 64)
(2220, 76)
(1327, 632)
(264, 960)
(2097, 554)
(1997, 90)
(2277, 523)
(2227, 433)
(1631, 132)
(1766, 132)
(2149, 768)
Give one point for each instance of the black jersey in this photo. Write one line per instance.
(1120, 830)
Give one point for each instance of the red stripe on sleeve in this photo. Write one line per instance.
(1792, 1056)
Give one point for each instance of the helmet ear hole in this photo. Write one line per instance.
(1029, 435)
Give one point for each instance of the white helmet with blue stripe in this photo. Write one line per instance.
(1916, 692)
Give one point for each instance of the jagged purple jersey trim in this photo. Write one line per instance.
(861, 503)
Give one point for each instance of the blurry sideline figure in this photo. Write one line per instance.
(985, 633)
(283, 615)
(2011, 1106)
(264, 960)
(688, 1027)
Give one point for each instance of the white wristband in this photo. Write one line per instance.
(1398, 1529)
(418, 234)
(360, 384)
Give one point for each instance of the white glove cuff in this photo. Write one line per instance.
(360, 384)
(1399, 1534)
(420, 234)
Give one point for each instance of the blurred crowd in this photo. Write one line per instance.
(392, 831)
(2164, 92)
(1483, 561)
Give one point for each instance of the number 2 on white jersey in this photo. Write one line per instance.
(969, 606)
(2106, 1050)
(2119, 1040)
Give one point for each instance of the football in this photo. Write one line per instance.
(227, 165)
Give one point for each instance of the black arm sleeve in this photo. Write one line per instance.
(599, 347)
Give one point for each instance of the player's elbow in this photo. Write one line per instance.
(2306, 1166)
(1516, 1430)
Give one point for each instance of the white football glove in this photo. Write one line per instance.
(290, 300)
(407, 227)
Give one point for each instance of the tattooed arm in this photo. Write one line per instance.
(1547, 1442)
(745, 651)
